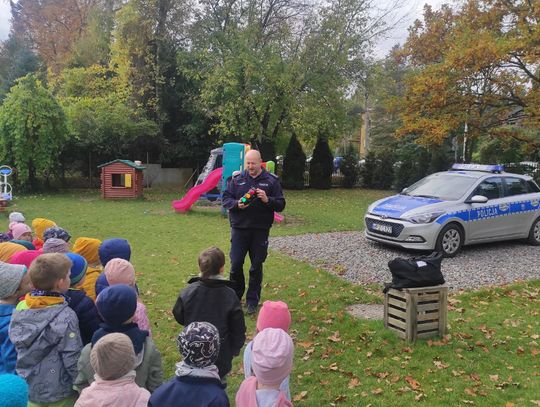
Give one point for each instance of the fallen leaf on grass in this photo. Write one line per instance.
(335, 337)
(508, 404)
(300, 396)
(305, 344)
(470, 392)
(378, 390)
(440, 365)
(354, 382)
(494, 377)
(415, 385)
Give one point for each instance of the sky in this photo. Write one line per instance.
(405, 15)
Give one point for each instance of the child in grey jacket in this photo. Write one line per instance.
(45, 332)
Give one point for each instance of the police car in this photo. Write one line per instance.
(469, 204)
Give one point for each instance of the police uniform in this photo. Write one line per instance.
(250, 228)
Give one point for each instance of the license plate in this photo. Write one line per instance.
(382, 228)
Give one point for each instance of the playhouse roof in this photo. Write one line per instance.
(127, 162)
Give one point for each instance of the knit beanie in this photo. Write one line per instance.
(8, 249)
(119, 271)
(13, 391)
(54, 245)
(117, 304)
(17, 217)
(10, 278)
(40, 225)
(113, 356)
(114, 248)
(88, 248)
(4, 237)
(26, 257)
(272, 356)
(274, 314)
(19, 229)
(199, 344)
(78, 270)
(56, 232)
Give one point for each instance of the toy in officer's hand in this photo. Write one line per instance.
(249, 197)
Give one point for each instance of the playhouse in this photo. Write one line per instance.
(121, 179)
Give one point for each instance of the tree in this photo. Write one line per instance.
(349, 168)
(32, 130)
(294, 165)
(16, 60)
(321, 165)
(480, 78)
(53, 26)
(101, 122)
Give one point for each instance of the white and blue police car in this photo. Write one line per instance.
(469, 204)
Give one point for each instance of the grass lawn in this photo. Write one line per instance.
(490, 357)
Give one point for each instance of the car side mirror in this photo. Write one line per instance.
(479, 199)
(404, 190)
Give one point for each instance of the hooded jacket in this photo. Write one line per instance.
(48, 345)
(119, 392)
(216, 302)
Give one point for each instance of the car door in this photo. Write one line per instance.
(487, 220)
(516, 192)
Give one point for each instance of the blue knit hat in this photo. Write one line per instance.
(117, 304)
(78, 270)
(13, 391)
(57, 232)
(114, 248)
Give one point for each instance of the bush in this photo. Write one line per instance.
(349, 168)
(294, 165)
(368, 169)
(321, 166)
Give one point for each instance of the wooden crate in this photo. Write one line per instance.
(414, 313)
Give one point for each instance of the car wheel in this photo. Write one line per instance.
(450, 240)
(534, 234)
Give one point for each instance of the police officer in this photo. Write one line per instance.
(251, 223)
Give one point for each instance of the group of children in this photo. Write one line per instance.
(74, 332)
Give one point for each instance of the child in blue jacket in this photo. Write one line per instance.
(14, 283)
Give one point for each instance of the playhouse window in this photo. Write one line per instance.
(121, 180)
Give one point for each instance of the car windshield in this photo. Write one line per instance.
(442, 186)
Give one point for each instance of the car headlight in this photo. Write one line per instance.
(427, 217)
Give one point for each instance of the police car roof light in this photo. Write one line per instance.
(478, 167)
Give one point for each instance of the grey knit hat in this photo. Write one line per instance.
(113, 356)
(16, 217)
(10, 278)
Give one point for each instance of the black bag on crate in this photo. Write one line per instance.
(422, 271)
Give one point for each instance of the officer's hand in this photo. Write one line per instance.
(261, 194)
(241, 205)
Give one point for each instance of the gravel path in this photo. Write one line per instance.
(353, 257)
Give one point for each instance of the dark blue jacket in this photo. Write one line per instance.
(190, 391)
(86, 311)
(257, 215)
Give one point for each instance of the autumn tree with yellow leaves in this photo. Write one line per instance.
(475, 75)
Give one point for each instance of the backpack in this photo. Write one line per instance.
(422, 271)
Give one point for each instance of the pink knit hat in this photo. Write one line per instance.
(272, 356)
(26, 257)
(119, 271)
(20, 229)
(274, 314)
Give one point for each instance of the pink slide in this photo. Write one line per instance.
(194, 193)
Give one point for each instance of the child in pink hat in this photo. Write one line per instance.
(273, 314)
(120, 271)
(271, 361)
